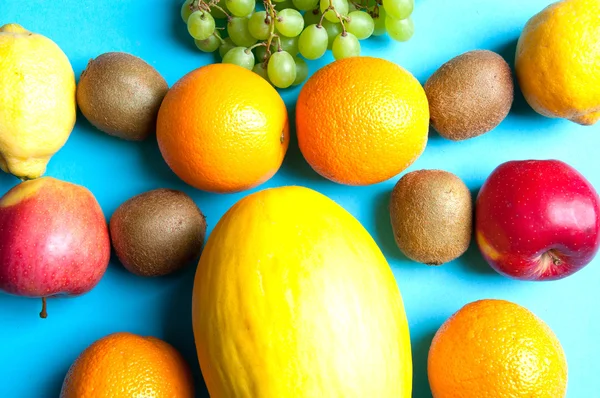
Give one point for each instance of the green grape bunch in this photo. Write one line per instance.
(273, 38)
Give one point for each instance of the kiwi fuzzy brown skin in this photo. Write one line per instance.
(157, 232)
(470, 95)
(432, 216)
(120, 94)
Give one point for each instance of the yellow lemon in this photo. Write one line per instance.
(558, 61)
(293, 298)
(37, 101)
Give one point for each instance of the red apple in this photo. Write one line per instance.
(537, 220)
(53, 240)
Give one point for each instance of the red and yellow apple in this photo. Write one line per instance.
(537, 220)
(53, 240)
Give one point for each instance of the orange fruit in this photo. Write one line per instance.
(361, 120)
(222, 128)
(127, 365)
(496, 349)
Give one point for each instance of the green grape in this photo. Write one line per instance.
(289, 44)
(240, 56)
(260, 53)
(312, 17)
(282, 5)
(345, 46)
(352, 6)
(240, 8)
(360, 24)
(379, 23)
(281, 69)
(201, 25)
(333, 30)
(301, 71)
(186, 11)
(237, 28)
(209, 45)
(305, 5)
(218, 14)
(225, 46)
(260, 70)
(259, 26)
(400, 30)
(313, 42)
(398, 9)
(289, 22)
(341, 6)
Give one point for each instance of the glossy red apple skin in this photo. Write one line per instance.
(53, 239)
(537, 220)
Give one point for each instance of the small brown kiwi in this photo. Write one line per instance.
(157, 232)
(432, 216)
(120, 94)
(470, 94)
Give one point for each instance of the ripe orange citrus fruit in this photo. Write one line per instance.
(495, 348)
(362, 120)
(223, 128)
(128, 365)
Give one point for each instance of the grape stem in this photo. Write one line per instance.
(197, 5)
(375, 12)
(321, 20)
(262, 43)
(359, 6)
(272, 15)
(218, 36)
(218, 7)
(337, 15)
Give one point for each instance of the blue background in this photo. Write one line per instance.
(35, 354)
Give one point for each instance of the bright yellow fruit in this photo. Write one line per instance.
(293, 298)
(37, 101)
(558, 61)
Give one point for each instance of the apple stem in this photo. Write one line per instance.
(43, 313)
(555, 259)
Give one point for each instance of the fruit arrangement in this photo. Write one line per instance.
(275, 39)
(292, 296)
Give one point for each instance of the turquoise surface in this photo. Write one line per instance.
(35, 354)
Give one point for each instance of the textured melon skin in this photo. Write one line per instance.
(293, 298)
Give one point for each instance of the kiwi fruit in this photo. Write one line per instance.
(470, 95)
(432, 216)
(157, 232)
(120, 94)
